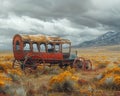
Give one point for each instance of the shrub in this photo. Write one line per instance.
(48, 70)
(82, 82)
(98, 77)
(102, 65)
(63, 82)
(65, 86)
(14, 90)
(110, 79)
(14, 77)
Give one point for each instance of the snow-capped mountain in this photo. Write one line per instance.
(109, 38)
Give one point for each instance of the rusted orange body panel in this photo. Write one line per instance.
(19, 42)
(40, 55)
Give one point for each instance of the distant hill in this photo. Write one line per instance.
(109, 38)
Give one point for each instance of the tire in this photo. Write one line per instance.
(79, 64)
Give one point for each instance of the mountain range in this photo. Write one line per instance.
(109, 38)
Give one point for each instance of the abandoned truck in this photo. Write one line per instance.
(32, 50)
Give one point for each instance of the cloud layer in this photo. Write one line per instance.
(77, 20)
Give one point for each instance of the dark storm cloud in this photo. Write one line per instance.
(51, 8)
(105, 13)
(78, 20)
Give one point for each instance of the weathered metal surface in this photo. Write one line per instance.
(41, 38)
(49, 55)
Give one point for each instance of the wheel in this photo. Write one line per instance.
(79, 64)
(88, 65)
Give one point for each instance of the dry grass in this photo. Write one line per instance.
(37, 83)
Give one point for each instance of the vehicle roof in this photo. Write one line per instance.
(40, 38)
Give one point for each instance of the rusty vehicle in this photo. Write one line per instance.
(32, 50)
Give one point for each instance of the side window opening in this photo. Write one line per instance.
(50, 47)
(35, 47)
(57, 48)
(17, 45)
(42, 47)
(65, 48)
(26, 47)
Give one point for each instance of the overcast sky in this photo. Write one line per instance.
(77, 20)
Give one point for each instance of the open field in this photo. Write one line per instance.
(102, 80)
